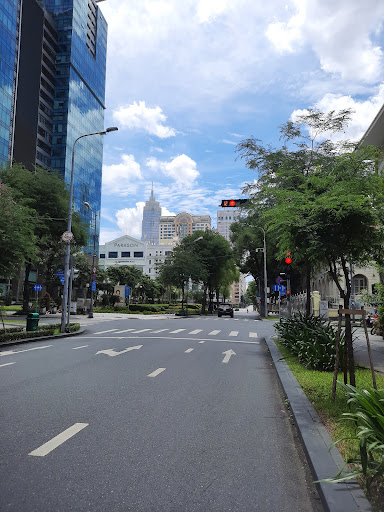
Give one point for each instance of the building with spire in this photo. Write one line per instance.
(151, 218)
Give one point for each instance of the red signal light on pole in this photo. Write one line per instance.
(288, 260)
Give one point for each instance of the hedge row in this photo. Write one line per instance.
(44, 330)
(12, 329)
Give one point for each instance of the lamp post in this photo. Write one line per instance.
(264, 250)
(67, 236)
(90, 313)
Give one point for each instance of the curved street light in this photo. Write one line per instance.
(69, 226)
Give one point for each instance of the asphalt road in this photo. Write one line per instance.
(150, 415)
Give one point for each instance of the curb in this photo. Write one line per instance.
(42, 338)
(324, 459)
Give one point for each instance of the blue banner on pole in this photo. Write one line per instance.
(93, 286)
(38, 287)
(279, 288)
(127, 291)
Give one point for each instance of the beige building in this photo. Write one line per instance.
(175, 228)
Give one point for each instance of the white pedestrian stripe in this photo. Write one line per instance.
(253, 335)
(82, 346)
(6, 364)
(188, 350)
(156, 372)
(234, 333)
(141, 330)
(213, 333)
(177, 330)
(196, 331)
(160, 330)
(11, 352)
(46, 448)
(125, 330)
(103, 332)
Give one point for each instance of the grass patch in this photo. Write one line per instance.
(13, 307)
(317, 386)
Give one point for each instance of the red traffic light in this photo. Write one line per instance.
(288, 260)
(233, 203)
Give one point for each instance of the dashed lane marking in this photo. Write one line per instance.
(156, 372)
(141, 330)
(6, 364)
(103, 332)
(213, 333)
(125, 330)
(47, 447)
(233, 333)
(160, 330)
(188, 350)
(196, 331)
(253, 335)
(82, 346)
(177, 331)
(202, 341)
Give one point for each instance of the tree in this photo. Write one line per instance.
(46, 195)
(321, 201)
(16, 233)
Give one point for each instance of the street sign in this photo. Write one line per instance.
(94, 270)
(59, 273)
(93, 286)
(67, 236)
(38, 287)
(127, 291)
(61, 279)
(93, 277)
(279, 279)
(279, 288)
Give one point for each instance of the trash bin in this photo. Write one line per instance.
(33, 321)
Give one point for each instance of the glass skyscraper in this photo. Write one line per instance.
(55, 85)
(9, 42)
(151, 217)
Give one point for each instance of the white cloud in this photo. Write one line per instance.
(107, 234)
(181, 168)
(364, 111)
(130, 220)
(139, 117)
(165, 212)
(340, 32)
(226, 141)
(122, 178)
(208, 10)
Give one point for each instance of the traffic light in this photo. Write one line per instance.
(288, 259)
(233, 203)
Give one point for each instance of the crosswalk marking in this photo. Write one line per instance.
(6, 364)
(141, 330)
(253, 335)
(196, 331)
(234, 333)
(189, 350)
(160, 330)
(125, 330)
(177, 330)
(213, 333)
(103, 332)
(82, 346)
(156, 372)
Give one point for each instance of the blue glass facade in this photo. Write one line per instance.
(9, 29)
(151, 218)
(79, 99)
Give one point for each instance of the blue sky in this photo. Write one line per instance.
(188, 79)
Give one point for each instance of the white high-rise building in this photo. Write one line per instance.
(225, 217)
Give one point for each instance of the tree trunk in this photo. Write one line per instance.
(204, 301)
(308, 289)
(28, 268)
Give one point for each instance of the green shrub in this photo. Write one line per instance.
(312, 340)
(12, 329)
(367, 414)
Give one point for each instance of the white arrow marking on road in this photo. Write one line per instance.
(47, 447)
(103, 332)
(112, 353)
(188, 350)
(156, 372)
(253, 335)
(9, 352)
(228, 354)
(6, 364)
(234, 333)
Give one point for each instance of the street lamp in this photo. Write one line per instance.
(90, 314)
(264, 250)
(67, 236)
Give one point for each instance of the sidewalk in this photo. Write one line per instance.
(361, 351)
